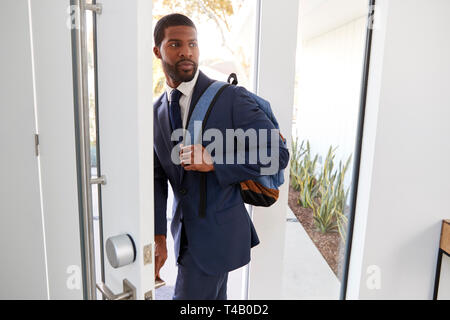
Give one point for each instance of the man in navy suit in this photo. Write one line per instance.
(208, 245)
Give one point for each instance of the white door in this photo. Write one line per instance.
(39, 214)
(125, 113)
(21, 227)
(41, 208)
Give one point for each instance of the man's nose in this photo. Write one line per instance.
(186, 51)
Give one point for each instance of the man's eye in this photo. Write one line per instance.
(173, 45)
(193, 44)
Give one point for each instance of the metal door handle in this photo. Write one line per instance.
(129, 291)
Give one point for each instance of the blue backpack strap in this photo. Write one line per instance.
(201, 111)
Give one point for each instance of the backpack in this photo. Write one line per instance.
(262, 191)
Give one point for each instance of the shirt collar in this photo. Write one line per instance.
(185, 88)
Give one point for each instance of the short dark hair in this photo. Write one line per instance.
(170, 20)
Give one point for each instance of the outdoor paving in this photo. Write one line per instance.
(306, 273)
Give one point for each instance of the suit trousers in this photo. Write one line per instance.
(194, 284)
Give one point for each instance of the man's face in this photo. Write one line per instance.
(179, 54)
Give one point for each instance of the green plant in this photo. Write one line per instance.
(341, 196)
(297, 152)
(329, 212)
(324, 211)
(324, 192)
(307, 181)
(327, 177)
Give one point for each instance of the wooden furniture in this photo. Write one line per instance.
(444, 248)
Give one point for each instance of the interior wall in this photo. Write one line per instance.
(404, 185)
(444, 279)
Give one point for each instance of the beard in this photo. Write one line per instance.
(179, 75)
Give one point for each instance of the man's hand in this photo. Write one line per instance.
(196, 158)
(160, 253)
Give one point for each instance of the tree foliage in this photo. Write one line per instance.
(215, 11)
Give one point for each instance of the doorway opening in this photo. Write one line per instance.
(226, 36)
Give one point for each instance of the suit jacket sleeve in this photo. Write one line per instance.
(247, 115)
(160, 196)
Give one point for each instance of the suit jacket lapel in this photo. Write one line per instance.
(164, 122)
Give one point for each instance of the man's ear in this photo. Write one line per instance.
(157, 52)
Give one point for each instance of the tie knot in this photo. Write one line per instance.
(175, 95)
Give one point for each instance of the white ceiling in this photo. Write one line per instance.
(319, 16)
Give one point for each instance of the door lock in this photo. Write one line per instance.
(120, 250)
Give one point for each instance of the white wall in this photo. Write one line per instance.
(404, 185)
(329, 73)
(444, 279)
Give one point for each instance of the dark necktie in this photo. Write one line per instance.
(175, 117)
(174, 110)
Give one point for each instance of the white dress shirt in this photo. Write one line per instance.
(186, 88)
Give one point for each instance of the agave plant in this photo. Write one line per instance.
(324, 212)
(325, 193)
(297, 152)
(327, 176)
(308, 186)
(341, 196)
(330, 214)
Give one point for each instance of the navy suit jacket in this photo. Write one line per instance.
(220, 241)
